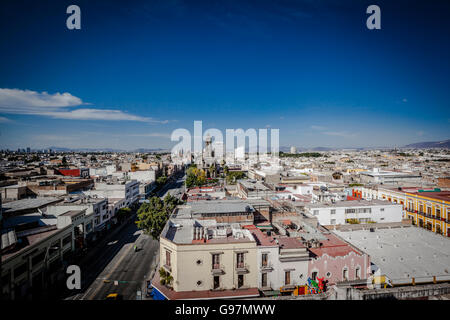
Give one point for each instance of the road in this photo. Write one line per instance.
(175, 188)
(115, 267)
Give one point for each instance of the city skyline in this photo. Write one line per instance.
(130, 77)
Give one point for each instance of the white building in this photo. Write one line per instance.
(377, 176)
(127, 190)
(97, 208)
(359, 211)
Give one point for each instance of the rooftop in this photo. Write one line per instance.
(403, 253)
(28, 204)
(212, 207)
(191, 231)
(333, 247)
(443, 195)
(352, 203)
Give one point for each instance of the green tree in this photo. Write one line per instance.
(123, 213)
(152, 216)
(233, 176)
(165, 278)
(161, 181)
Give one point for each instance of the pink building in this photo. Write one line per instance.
(336, 261)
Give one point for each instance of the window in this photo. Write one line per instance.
(345, 275)
(240, 260)
(216, 282)
(38, 258)
(168, 258)
(421, 208)
(264, 257)
(429, 210)
(20, 270)
(333, 211)
(333, 221)
(315, 212)
(264, 280)
(216, 261)
(240, 281)
(287, 278)
(438, 213)
(382, 209)
(314, 275)
(358, 273)
(67, 240)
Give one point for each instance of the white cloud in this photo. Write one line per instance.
(317, 127)
(16, 101)
(99, 114)
(25, 101)
(4, 120)
(420, 133)
(405, 100)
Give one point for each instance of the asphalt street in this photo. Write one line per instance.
(115, 267)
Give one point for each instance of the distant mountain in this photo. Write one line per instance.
(157, 150)
(431, 144)
(140, 150)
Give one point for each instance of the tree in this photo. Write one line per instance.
(64, 160)
(122, 214)
(161, 181)
(152, 216)
(165, 278)
(195, 177)
(233, 176)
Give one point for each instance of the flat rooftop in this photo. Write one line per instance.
(403, 253)
(381, 173)
(183, 231)
(212, 207)
(28, 204)
(254, 185)
(352, 203)
(72, 213)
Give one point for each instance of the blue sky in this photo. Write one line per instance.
(134, 73)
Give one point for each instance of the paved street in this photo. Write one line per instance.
(114, 266)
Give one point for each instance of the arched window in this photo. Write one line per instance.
(345, 274)
(358, 273)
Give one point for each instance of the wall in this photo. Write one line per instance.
(187, 272)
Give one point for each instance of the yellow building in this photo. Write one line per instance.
(429, 210)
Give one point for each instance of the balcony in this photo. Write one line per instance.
(217, 269)
(429, 216)
(242, 268)
(268, 266)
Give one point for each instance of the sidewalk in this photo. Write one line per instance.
(153, 271)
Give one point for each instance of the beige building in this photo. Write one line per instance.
(207, 260)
